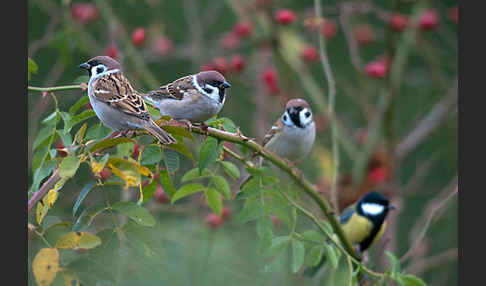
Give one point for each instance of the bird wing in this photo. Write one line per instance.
(115, 90)
(276, 127)
(345, 216)
(173, 90)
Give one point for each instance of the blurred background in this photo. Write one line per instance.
(395, 67)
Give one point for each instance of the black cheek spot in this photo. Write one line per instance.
(307, 114)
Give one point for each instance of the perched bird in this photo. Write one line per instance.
(116, 103)
(194, 98)
(292, 136)
(364, 224)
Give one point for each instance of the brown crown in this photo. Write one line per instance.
(296, 102)
(209, 76)
(110, 63)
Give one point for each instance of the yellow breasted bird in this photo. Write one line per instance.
(364, 224)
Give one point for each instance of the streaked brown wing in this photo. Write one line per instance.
(116, 90)
(174, 90)
(276, 127)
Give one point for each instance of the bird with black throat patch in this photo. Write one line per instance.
(116, 103)
(192, 98)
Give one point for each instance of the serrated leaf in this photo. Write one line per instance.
(69, 166)
(77, 240)
(171, 160)
(139, 214)
(151, 155)
(194, 174)
(298, 255)
(252, 210)
(331, 255)
(84, 115)
(166, 183)
(45, 266)
(187, 190)
(412, 280)
(84, 192)
(213, 198)
(208, 153)
(314, 255)
(87, 216)
(313, 235)
(231, 169)
(222, 186)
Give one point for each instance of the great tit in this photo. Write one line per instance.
(364, 224)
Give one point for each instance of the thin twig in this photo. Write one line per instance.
(43, 190)
(418, 267)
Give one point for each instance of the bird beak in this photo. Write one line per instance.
(225, 85)
(84, 66)
(391, 207)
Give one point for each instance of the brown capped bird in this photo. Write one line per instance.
(195, 98)
(116, 103)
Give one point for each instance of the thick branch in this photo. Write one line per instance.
(45, 187)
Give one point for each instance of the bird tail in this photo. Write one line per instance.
(159, 133)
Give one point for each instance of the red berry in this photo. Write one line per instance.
(242, 29)
(112, 51)
(398, 22)
(84, 12)
(229, 41)
(221, 65)
(329, 29)
(135, 150)
(237, 63)
(364, 34)
(378, 175)
(285, 17)
(138, 36)
(161, 196)
(213, 220)
(376, 69)
(275, 220)
(454, 14)
(225, 212)
(269, 77)
(309, 54)
(429, 20)
(162, 45)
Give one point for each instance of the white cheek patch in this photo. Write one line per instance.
(214, 90)
(304, 120)
(372, 208)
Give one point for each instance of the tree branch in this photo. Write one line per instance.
(43, 190)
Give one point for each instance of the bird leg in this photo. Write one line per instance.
(187, 123)
(114, 134)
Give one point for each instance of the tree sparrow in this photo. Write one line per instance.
(116, 103)
(195, 98)
(292, 136)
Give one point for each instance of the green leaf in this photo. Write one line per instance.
(221, 186)
(176, 130)
(252, 210)
(166, 183)
(125, 149)
(171, 160)
(194, 174)
(395, 271)
(51, 119)
(264, 229)
(86, 114)
(80, 103)
(331, 255)
(213, 198)
(87, 216)
(145, 241)
(327, 226)
(31, 67)
(42, 136)
(148, 191)
(107, 143)
(82, 195)
(97, 131)
(314, 255)
(80, 134)
(139, 214)
(298, 255)
(69, 166)
(187, 190)
(151, 155)
(412, 280)
(314, 236)
(230, 169)
(77, 240)
(278, 245)
(209, 153)
(41, 173)
(180, 147)
(228, 124)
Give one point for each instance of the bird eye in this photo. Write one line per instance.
(99, 70)
(207, 90)
(307, 114)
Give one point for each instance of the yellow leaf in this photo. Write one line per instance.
(45, 266)
(70, 278)
(52, 197)
(130, 177)
(129, 170)
(77, 240)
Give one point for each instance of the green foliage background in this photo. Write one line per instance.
(187, 252)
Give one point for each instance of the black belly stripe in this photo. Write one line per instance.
(369, 239)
